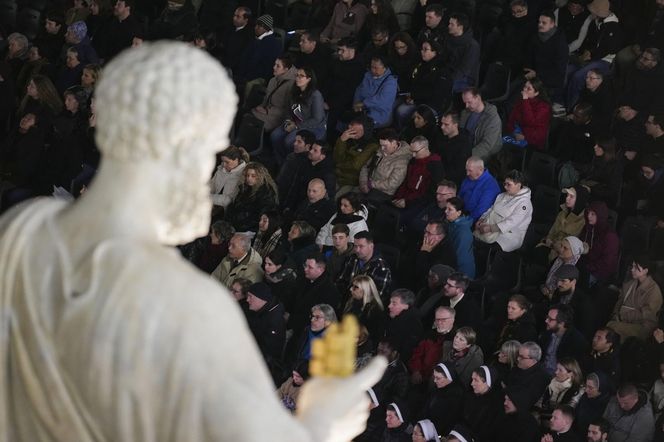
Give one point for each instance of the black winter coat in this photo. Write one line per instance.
(430, 84)
(244, 212)
(308, 294)
(269, 328)
(406, 331)
(444, 407)
(393, 386)
(549, 59)
(482, 412)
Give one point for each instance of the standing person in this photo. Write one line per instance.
(306, 112)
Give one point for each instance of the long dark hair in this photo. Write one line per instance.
(405, 38)
(537, 84)
(301, 96)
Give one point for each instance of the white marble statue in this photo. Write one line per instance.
(106, 334)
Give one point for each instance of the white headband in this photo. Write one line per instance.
(487, 373)
(372, 395)
(458, 436)
(429, 430)
(397, 411)
(446, 370)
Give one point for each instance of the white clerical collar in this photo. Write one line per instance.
(454, 301)
(262, 36)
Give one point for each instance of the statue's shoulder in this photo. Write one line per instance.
(31, 213)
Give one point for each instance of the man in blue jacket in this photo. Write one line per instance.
(376, 93)
(479, 189)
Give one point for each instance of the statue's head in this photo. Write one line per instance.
(171, 104)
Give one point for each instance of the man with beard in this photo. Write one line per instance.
(598, 431)
(113, 331)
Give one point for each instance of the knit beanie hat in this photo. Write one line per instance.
(261, 291)
(266, 21)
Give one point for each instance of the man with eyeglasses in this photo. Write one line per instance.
(643, 80)
(529, 373)
(445, 190)
(561, 339)
(314, 55)
(313, 287)
(434, 248)
(429, 350)
(468, 313)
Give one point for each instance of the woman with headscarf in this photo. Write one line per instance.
(443, 406)
(460, 434)
(569, 222)
(425, 431)
(483, 405)
(593, 402)
(601, 240)
(569, 252)
(397, 424)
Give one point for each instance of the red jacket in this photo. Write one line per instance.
(534, 117)
(428, 353)
(420, 176)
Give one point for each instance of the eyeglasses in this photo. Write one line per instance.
(523, 357)
(416, 151)
(447, 284)
(317, 317)
(442, 319)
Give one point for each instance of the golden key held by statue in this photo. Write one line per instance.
(334, 354)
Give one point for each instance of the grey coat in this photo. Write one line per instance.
(488, 132)
(277, 100)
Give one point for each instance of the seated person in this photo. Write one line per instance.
(269, 235)
(275, 107)
(423, 170)
(435, 247)
(424, 123)
(242, 261)
(347, 20)
(301, 243)
(463, 355)
(604, 176)
(569, 252)
(291, 171)
(315, 55)
(428, 351)
(602, 243)
(569, 222)
(258, 193)
(341, 250)
(436, 210)
(290, 390)
(530, 118)
(350, 212)
(225, 183)
(365, 260)
(365, 303)
(206, 253)
(479, 189)
(630, 415)
(444, 403)
(321, 317)
(376, 93)
(317, 208)
(429, 83)
(640, 300)
(599, 94)
(507, 221)
(307, 112)
(352, 150)
(393, 386)
(381, 176)
(577, 137)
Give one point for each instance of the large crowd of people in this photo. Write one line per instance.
(481, 183)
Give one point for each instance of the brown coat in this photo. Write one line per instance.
(635, 313)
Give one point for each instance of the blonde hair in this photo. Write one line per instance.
(262, 174)
(370, 294)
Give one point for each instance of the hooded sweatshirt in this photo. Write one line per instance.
(602, 258)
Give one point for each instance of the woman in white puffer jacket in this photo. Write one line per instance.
(350, 212)
(225, 183)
